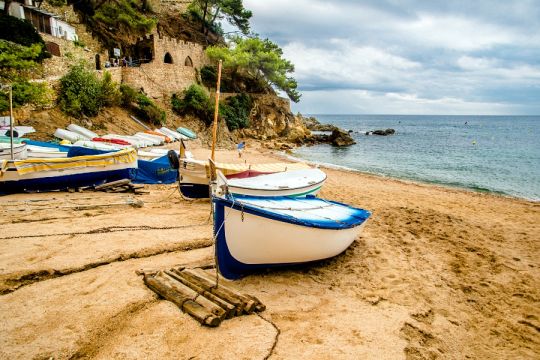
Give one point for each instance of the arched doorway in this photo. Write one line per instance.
(188, 62)
(168, 59)
(98, 62)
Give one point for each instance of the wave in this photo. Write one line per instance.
(452, 184)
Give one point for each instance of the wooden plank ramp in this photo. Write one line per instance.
(195, 292)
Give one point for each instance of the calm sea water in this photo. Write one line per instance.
(499, 154)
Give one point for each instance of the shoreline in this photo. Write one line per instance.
(435, 184)
(437, 272)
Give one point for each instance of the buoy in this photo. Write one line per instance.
(474, 142)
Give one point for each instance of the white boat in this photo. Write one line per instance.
(82, 131)
(18, 131)
(42, 152)
(174, 134)
(194, 175)
(19, 151)
(96, 145)
(255, 233)
(154, 139)
(292, 183)
(134, 141)
(35, 175)
(69, 135)
(148, 155)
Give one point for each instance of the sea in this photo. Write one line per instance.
(494, 154)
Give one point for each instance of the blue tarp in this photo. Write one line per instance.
(158, 171)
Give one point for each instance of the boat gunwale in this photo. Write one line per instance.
(237, 204)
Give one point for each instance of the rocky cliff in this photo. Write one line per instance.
(271, 118)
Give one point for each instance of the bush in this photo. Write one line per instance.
(142, 105)
(235, 110)
(126, 12)
(209, 76)
(80, 92)
(194, 101)
(110, 94)
(129, 95)
(83, 94)
(22, 32)
(25, 92)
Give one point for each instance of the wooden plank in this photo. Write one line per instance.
(229, 308)
(113, 184)
(189, 306)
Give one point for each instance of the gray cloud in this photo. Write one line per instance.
(423, 56)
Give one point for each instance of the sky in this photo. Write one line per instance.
(448, 57)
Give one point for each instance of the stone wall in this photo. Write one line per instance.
(169, 50)
(173, 66)
(159, 80)
(116, 74)
(70, 54)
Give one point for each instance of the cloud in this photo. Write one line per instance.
(459, 56)
(341, 64)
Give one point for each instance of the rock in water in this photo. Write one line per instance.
(341, 138)
(382, 132)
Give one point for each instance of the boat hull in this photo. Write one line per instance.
(242, 248)
(36, 175)
(19, 151)
(194, 180)
(65, 182)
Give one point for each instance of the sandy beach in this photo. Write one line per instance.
(437, 273)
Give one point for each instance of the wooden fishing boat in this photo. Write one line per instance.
(165, 138)
(35, 175)
(41, 152)
(111, 141)
(19, 151)
(82, 131)
(194, 175)
(186, 132)
(255, 233)
(292, 183)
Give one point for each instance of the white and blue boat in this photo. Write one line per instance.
(186, 132)
(255, 233)
(47, 174)
(294, 183)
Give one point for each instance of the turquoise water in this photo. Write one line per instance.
(499, 154)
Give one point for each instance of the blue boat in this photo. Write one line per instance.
(47, 174)
(254, 233)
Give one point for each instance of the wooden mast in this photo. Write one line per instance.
(216, 111)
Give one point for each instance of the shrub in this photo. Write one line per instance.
(25, 92)
(194, 101)
(22, 32)
(110, 94)
(142, 105)
(209, 76)
(235, 110)
(80, 92)
(79, 43)
(129, 95)
(128, 13)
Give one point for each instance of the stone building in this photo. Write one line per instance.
(161, 65)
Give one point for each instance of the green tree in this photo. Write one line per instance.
(233, 11)
(260, 59)
(22, 32)
(17, 64)
(195, 101)
(80, 92)
(129, 13)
